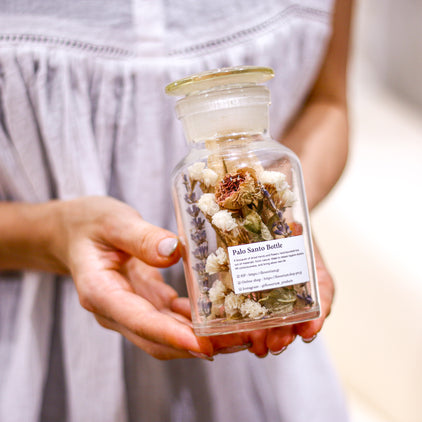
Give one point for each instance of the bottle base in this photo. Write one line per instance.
(226, 326)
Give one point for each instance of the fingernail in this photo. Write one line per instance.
(234, 349)
(278, 352)
(202, 356)
(309, 340)
(167, 246)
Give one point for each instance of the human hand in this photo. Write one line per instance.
(111, 253)
(276, 340)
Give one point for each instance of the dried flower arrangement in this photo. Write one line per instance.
(242, 205)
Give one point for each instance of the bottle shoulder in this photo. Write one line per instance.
(263, 149)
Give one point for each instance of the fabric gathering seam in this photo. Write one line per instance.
(70, 43)
(242, 35)
(268, 25)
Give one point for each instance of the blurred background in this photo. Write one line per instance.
(369, 228)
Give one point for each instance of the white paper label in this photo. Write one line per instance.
(268, 265)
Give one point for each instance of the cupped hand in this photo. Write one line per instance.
(112, 255)
(276, 340)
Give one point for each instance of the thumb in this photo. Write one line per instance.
(151, 244)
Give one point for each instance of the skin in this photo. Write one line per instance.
(113, 255)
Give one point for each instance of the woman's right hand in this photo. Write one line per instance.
(112, 255)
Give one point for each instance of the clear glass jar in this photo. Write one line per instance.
(241, 208)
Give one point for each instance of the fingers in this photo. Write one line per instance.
(181, 305)
(136, 315)
(148, 283)
(230, 343)
(258, 340)
(158, 351)
(309, 330)
(279, 338)
(151, 244)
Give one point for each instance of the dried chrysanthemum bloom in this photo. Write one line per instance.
(217, 262)
(252, 309)
(224, 221)
(238, 189)
(232, 304)
(217, 292)
(207, 204)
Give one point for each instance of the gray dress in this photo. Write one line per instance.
(82, 112)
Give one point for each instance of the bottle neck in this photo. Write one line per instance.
(225, 112)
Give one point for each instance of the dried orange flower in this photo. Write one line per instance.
(238, 189)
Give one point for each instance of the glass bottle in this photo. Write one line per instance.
(241, 208)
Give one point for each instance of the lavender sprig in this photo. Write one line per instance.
(199, 237)
(191, 198)
(199, 267)
(193, 211)
(201, 252)
(280, 228)
(199, 223)
(305, 296)
(269, 198)
(204, 305)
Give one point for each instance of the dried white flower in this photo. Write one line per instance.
(217, 292)
(224, 221)
(275, 178)
(209, 177)
(201, 174)
(232, 304)
(287, 197)
(217, 262)
(195, 171)
(278, 180)
(252, 309)
(207, 204)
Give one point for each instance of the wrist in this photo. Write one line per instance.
(29, 236)
(53, 236)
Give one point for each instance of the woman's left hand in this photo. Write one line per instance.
(274, 340)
